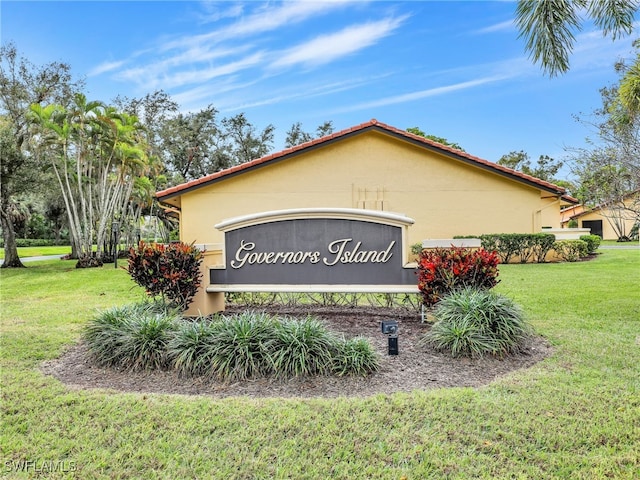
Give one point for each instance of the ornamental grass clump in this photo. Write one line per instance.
(132, 337)
(192, 346)
(302, 347)
(229, 348)
(237, 348)
(473, 323)
(355, 356)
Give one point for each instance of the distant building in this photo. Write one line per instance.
(608, 221)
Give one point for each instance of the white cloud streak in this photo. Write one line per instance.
(106, 67)
(418, 95)
(329, 47)
(195, 59)
(265, 19)
(505, 26)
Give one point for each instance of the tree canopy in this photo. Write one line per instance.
(440, 140)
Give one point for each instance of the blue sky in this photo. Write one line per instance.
(455, 69)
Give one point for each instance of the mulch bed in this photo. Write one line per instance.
(415, 368)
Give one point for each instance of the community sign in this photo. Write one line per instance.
(315, 250)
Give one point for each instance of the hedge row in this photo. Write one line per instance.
(36, 242)
(535, 246)
(526, 246)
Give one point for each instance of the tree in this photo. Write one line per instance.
(440, 140)
(629, 90)
(548, 26)
(192, 144)
(96, 155)
(154, 111)
(608, 170)
(545, 169)
(196, 144)
(23, 84)
(11, 161)
(296, 136)
(245, 143)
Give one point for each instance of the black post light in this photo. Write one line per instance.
(115, 230)
(390, 329)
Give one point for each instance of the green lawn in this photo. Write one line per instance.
(39, 251)
(575, 416)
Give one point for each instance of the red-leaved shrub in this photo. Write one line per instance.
(443, 270)
(171, 271)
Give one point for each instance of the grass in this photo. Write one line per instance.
(575, 416)
(40, 251)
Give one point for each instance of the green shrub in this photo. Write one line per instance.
(541, 245)
(36, 242)
(506, 245)
(592, 241)
(133, 337)
(473, 323)
(355, 356)
(523, 245)
(571, 250)
(171, 271)
(302, 347)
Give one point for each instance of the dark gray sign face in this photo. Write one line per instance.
(314, 251)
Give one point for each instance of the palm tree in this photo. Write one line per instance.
(548, 26)
(96, 153)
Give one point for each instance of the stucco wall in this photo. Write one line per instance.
(375, 171)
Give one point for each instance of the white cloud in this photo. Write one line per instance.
(106, 67)
(307, 91)
(264, 19)
(199, 57)
(153, 77)
(505, 26)
(327, 48)
(431, 92)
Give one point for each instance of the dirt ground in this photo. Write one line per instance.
(415, 368)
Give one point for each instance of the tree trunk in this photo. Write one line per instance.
(11, 258)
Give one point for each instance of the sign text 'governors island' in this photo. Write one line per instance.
(343, 250)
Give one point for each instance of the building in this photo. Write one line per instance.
(371, 167)
(609, 221)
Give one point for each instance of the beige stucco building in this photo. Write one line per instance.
(374, 167)
(377, 167)
(607, 221)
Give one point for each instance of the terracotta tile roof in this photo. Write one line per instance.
(585, 210)
(372, 124)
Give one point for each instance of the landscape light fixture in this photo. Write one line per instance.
(115, 229)
(390, 329)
